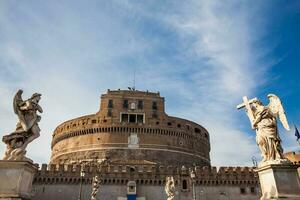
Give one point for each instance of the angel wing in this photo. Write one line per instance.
(17, 101)
(277, 110)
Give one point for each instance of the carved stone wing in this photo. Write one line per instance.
(277, 110)
(17, 101)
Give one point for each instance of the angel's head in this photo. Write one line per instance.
(36, 97)
(257, 104)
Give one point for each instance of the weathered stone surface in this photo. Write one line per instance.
(16, 179)
(155, 137)
(279, 182)
(63, 182)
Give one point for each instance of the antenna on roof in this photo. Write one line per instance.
(133, 88)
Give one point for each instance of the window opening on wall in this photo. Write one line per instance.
(184, 185)
(125, 103)
(132, 118)
(243, 190)
(109, 113)
(140, 104)
(154, 105)
(197, 130)
(110, 103)
(140, 118)
(188, 127)
(124, 117)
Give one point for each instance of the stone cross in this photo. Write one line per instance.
(246, 104)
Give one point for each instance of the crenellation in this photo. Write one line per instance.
(145, 174)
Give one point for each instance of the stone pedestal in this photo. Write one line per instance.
(16, 179)
(279, 181)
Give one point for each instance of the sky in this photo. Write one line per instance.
(202, 55)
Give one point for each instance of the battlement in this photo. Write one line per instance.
(145, 174)
(293, 157)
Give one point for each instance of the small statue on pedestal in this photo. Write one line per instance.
(263, 120)
(27, 128)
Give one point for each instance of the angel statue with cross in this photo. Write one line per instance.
(264, 120)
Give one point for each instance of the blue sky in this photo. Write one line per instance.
(202, 55)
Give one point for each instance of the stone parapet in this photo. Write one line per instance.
(146, 174)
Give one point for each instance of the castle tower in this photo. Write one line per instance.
(131, 127)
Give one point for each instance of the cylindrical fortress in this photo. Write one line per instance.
(131, 127)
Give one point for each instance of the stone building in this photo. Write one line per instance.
(132, 144)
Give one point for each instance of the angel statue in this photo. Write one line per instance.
(170, 188)
(27, 128)
(95, 187)
(264, 120)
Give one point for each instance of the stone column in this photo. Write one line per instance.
(279, 181)
(16, 179)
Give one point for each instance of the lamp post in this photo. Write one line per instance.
(82, 174)
(193, 176)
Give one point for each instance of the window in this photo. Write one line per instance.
(124, 117)
(197, 130)
(140, 118)
(169, 123)
(132, 118)
(252, 189)
(243, 190)
(109, 113)
(184, 185)
(94, 121)
(154, 105)
(178, 125)
(110, 103)
(188, 127)
(140, 104)
(125, 103)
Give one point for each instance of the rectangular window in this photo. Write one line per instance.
(140, 104)
(124, 118)
(110, 103)
(140, 118)
(109, 113)
(125, 103)
(132, 118)
(243, 190)
(154, 105)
